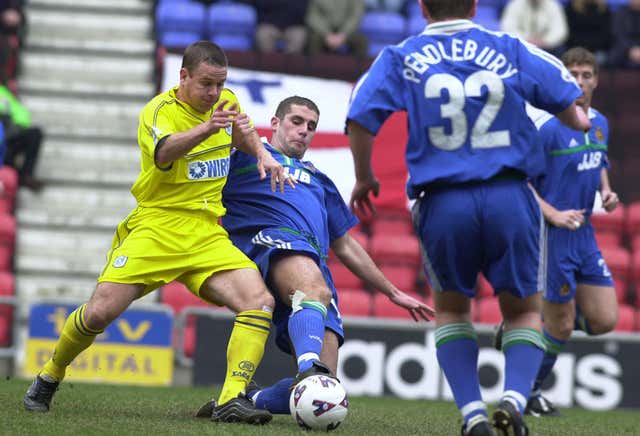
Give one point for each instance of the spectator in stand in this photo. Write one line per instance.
(626, 36)
(22, 139)
(11, 26)
(333, 24)
(590, 27)
(540, 22)
(281, 21)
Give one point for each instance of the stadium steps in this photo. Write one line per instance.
(81, 23)
(73, 207)
(77, 161)
(87, 69)
(49, 74)
(85, 117)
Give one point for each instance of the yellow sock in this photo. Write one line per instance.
(245, 351)
(74, 339)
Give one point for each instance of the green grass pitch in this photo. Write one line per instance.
(86, 409)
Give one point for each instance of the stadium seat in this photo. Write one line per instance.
(483, 287)
(609, 222)
(381, 29)
(619, 262)
(182, 16)
(7, 289)
(5, 329)
(343, 277)
(621, 289)
(392, 225)
(403, 276)
(9, 183)
(415, 25)
(403, 249)
(487, 311)
(176, 295)
(608, 239)
(384, 308)
(6, 258)
(232, 25)
(626, 318)
(354, 302)
(7, 230)
(173, 39)
(633, 219)
(487, 16)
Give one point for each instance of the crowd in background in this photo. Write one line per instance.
(19, 140)
(610, 28)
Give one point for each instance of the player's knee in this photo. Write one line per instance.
(603, 323)
(561, 327)
(321, 294)
(97, 317)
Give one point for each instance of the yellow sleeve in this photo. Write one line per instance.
(156, 122)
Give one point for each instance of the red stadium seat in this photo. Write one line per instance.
(619, 262)
(392, 226)
(343, 277)
(354, 302)
(403, 276)
(7, 230)
(384, 308)
(190, 337)
(609, 222)
(483, 287)
(5, 329)
(626, 318)
(607, 239)
(487, 311)
(176, 295)
(8, 181)
(6, 257)
(403, 249)
(633, 219)
(621, 289)
(635, 244)
(7, 289)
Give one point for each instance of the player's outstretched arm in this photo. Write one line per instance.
(361, 141)
(575, 117)
(610, 199)
(354, 257)
(179, 144)
(570, 219)
(246, 139)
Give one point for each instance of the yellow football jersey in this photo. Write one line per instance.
(193, 182)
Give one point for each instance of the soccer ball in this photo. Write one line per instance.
(319, 402)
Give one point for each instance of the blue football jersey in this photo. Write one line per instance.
(574, 162)
(314, 208)
(464, 89)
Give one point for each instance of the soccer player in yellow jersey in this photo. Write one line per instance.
(185, 136)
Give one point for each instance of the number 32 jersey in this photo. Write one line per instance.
(464, 89)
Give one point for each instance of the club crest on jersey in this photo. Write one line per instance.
(120, 261)
(297, 174)
(228, 130)
(599, 134)
(208, 169)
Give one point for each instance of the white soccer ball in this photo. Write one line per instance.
(319, 402)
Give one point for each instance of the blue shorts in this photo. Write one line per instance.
(495, 227)
(269, 243)
(574, 258)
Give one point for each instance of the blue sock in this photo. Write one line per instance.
(306, 331)
(554, 347)
(457, 351)
(274, 398)
(523, 350)
(581, 322)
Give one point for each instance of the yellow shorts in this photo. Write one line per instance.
(154, 246)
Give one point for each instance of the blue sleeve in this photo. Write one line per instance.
(605, 122)
(378, 93)
(339, 216)
(544, 80)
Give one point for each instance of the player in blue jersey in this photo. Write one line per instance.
(289, 237)
(579, 292)
(470, 151)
